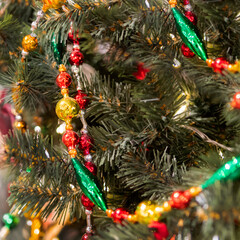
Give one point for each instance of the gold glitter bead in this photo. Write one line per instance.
(29, 43)
(62, 68)
(73, 153)
(109, 212)
(194, 191)
(65, 92)
(21, 125)
(48, 4)
(209, 62)
(67, 108)
(146, 213)
(132, 218)
(166, 206)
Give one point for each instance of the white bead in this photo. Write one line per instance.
(88, 229)
(37, 129)
(33, 35)
(188, 8)
(18, 118)
(84, 131)
(88, 212)
(75, 69)
(34, 25)
(88, 158)
(76, 46)
(24, 53)
(176, 63)
(40, 13)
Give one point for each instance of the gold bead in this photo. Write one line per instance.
(233, 67)
(62, 68)
(21, 125)
(145, 212)
(109, 212)
(48, 4)
(29, 43)
(166, 206)
(194, 191)
(172, 3)
(69, 127)
(67, 108)
(64, 92)
(73, 153)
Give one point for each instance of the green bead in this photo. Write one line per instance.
(57, 48)
(29, 169)
(230, 170)
(189, 34)
(89, 185)
(10, 221)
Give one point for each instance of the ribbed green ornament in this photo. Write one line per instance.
(189, 34)
(89, 185)
(57, 48)
(230, 170)
(10, 221)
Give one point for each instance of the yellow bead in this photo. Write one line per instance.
(146, 213)
(166, 206)
(62, 68)
(29, 43)
(67, 108)
(48, 4)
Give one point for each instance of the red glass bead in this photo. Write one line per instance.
(86, 202)
(119, 215)
(187, 52)
(191, 16)
(70, 139)
(236, 100)
(72, 36)
(76, 57)
(180, 200)
(81, 99)
(86, 236)
(219, 65)
(86, 144)
(63, 80)
(91, 167)
(186, 2)
(161, 231)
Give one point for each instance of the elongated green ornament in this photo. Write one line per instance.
(57, 48)
(89, 185)
(189, 34)
(230, 170)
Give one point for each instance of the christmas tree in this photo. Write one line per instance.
(129, 105)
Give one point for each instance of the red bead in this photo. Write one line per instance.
(86, 202)
(187, 52)
(119, 215)
(86, 144)
(180, 200)
(141, 71)
(76, 57)
(70, 139)
(72, 36)
(236, 100)
(91, 167)
(161, 231)
(191, 16)
(81, 99)
(86, 236)
(63, 80)
(186, 2)
(219, 65)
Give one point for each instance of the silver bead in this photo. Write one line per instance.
(24, 53)
(84, 131)
(37, 129)
(176, 63)
(33, 34)
(40, 13)
(188, 8)
(18, 118)
(75, 69)
(34, 25)
(88, 212)
(88, 158)
(76, 46)
(89, 229)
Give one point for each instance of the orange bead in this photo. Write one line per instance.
(132, 218)
(29, 43)
(109, 212)
(194, 191)
(65, 92)
(69, 127)
(73, 153)
(166, 206)
(209, 62)
(172, 3)
(233, 67)
(62, 68)
(20, 125)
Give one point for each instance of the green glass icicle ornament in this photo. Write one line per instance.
(89, 185)
(58, 48)
(230, 170)
(189, 34)
(10, 221)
